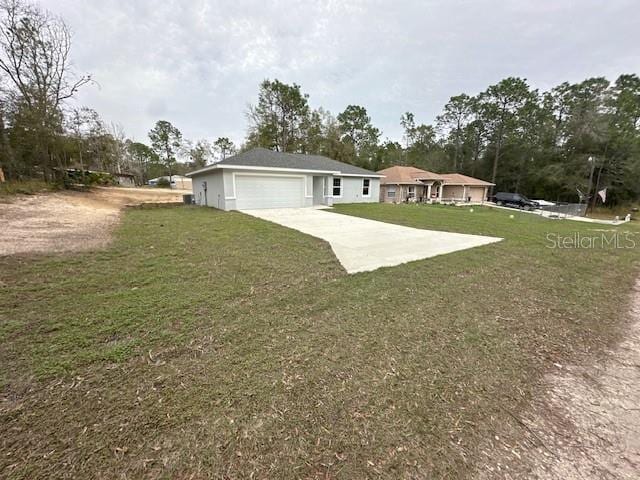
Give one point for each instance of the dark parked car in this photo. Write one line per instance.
(514, 200)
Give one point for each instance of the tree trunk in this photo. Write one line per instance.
(81, 161)
(6, 153)
(496, 157)
(476, 153)
(457, 150)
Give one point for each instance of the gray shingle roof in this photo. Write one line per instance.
(262, 157)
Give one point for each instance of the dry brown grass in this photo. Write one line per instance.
(69, 220)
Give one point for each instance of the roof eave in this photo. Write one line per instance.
(401, 182)
(366, 175)
(202, 170)
(281, 169)
(458, 184)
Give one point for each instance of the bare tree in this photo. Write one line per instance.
(34, 53)
(122, 163)
(34, 58)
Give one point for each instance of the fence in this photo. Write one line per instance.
(566, 209)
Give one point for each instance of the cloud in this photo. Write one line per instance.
(198, 63)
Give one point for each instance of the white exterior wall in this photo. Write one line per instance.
(215, 190)
(180, 182)
(221, 186)
(352, 190)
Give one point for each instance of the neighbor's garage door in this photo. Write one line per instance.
(476, 193)
(257, 191)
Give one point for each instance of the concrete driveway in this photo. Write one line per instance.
(363, 245)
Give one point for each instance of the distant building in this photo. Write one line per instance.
(179, 182)
(411, 184)
(125, 179)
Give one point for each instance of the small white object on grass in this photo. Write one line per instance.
(512, 216)
(471, 210)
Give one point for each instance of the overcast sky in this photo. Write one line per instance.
(198, 63)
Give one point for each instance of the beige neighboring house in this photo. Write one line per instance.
(411, 184)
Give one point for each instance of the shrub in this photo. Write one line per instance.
(88, 178)
(26, 187)
(163, 183)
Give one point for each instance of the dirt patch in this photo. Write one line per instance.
(69, 221)
(585, 426)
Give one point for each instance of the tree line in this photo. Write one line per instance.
(551, 144)
(41, 135)
(555, 144)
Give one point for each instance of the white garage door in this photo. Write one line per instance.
(257, 191)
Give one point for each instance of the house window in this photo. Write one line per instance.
(411, 193)
(391, 192)
(337, 187)
(366, 184)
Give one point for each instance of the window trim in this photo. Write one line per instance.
(368, 187)
(333, 187)
(411, 194)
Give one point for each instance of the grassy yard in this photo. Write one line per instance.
(211, 344)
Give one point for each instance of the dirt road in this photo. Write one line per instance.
(69, 221)
(586, 423)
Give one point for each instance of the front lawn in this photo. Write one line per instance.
(212, 344)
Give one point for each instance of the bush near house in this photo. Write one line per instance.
(163, 183)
